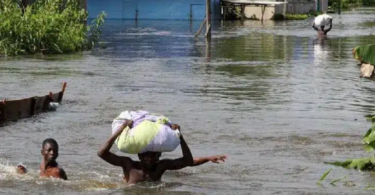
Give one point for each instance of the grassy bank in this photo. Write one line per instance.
(295, 16)
(46, 26)
(290, 17)
(349, 4)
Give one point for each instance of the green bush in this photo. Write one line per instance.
(347, 4)
(315, 13)
(46, 26)
(290, 17)
(368, 2)
(233, 13)
(296, 16)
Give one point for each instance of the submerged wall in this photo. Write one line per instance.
(255, 12)
(300, 6)
(153, 9)
(306, 6)
(292, 7)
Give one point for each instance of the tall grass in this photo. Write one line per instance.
(46, 26)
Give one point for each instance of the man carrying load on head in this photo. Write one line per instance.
(149, 168)
(321, 21)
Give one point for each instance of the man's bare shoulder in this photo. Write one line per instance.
(60, 170)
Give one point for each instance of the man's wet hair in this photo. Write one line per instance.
(50, 141)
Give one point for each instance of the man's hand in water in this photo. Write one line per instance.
(218, 158)
(214, 159)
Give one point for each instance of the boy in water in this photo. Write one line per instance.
(150, 168)
(49, 167)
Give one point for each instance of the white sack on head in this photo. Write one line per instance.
(322, 20)
(150, 133)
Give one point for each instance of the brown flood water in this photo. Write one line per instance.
(273, 97)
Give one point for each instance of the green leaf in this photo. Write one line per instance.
(344, 164)
(324, 175)
(360, 163)
(336, 180)
(368, 148)
(370, 135)
(57, 47)
(363, 164)
(372, 160)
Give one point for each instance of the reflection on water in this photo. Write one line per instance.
(321, 49)
(274, 97)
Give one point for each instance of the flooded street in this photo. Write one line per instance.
(272, 96)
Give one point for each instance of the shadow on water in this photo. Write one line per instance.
(370, 24)
(243, 70)
(254, 47)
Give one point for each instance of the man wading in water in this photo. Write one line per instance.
(321, 31)
(150, 168)
(49, 166)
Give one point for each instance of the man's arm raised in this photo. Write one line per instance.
(314, 27)
(330, 27)
(185, 161)
(111, 158)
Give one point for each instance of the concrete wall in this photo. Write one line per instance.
(292, 7)
(323, 5)
(255, 12)
(305, 6)
(153, 9)
(300, 6)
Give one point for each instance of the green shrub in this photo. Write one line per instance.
(296, 16)
(315, 13)
(46, 26)
(347, 4)
(290, 17)
(368, 2)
